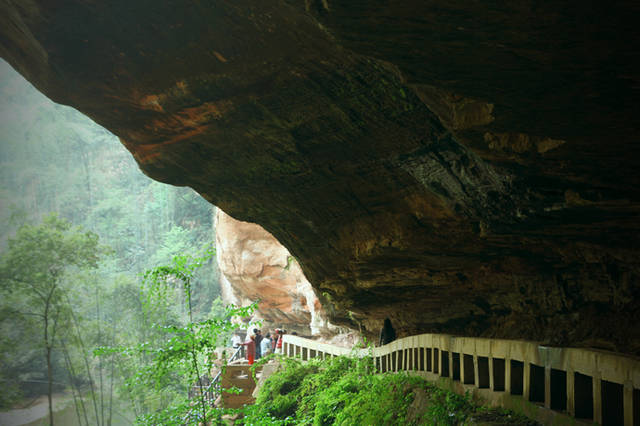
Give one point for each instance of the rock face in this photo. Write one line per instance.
(454, 166)
(254, 267)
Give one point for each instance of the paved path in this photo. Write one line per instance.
(38, 409)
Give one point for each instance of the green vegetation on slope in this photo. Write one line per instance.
(345, 391)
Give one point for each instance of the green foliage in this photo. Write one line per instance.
(35, 278)
(176, 355)
(449, 408)
(346, 391)
(39, 254)
(52, 158)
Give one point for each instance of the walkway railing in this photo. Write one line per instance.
(211, 391)
(547, 383)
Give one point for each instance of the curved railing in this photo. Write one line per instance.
(211, 391)
(551, 384)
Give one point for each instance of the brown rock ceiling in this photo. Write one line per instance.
(457, 166)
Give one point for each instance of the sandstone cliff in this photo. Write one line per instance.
(254, 266)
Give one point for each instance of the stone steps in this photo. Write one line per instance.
(238, 376)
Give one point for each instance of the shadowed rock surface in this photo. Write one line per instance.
(458, 167)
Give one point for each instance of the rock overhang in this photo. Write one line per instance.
(456, 167)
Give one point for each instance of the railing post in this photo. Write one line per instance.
(424, 355)
(491, 379)
(627, 397)
(547, 386)
(597, 397)
(490, 361)
(414, 366)
(571, 398)
(435, 368)
(405, 358)
(476, 371)
(412, 356)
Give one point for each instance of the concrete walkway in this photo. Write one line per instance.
(38, 409)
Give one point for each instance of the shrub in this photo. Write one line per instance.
(345, 391)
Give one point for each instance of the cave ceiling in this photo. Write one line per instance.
(456, 166)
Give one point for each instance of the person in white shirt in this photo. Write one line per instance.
(265, 345)
(236, 341)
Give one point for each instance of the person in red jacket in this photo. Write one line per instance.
(250, 343)
(280, 336)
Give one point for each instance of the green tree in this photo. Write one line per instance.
(52, 158)
(176, 351)
(33, 272)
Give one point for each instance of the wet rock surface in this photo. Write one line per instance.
(454, 166)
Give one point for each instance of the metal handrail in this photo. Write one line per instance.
(215, 384)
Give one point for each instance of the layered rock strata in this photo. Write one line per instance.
(461, 167)
(255, 267)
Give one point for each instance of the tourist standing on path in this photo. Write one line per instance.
(250, 344)
(265, 345)
(387, 334)
(274, 340)
(258, 340)
(236, 342)
(279, 345)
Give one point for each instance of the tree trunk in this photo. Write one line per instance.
(86, 363)
(101, 421)
(47, 347)
(50, 384)
(74, 387)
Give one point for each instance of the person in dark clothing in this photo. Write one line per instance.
(387, 334)
(258, 340)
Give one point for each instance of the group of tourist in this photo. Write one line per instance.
(256, 345)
